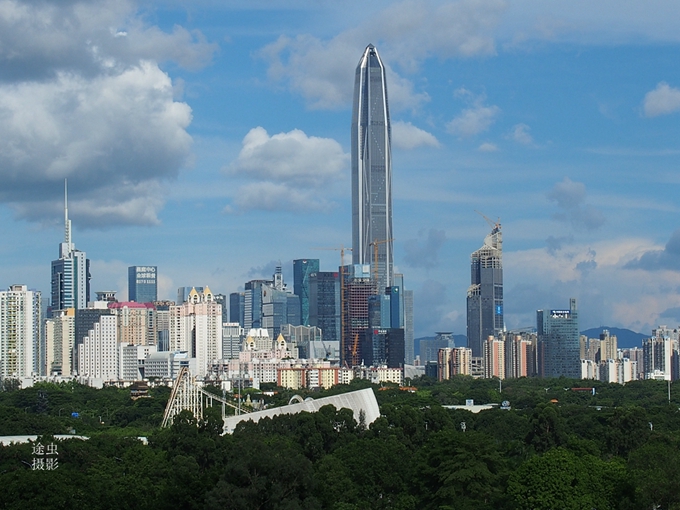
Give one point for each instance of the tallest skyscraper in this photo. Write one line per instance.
(70, 272)
(372, 169)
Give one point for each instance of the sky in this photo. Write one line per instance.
(212, 138)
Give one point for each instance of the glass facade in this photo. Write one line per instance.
(558, 340)
(142, 284)
(485, 294)
(302, 269)
(372, 169)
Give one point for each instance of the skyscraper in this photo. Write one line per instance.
(302, 269)
(324, 303)
(558, 342)
(142, 284)
(485, 294)
(20, 335)
(372, 170)
(71, 272)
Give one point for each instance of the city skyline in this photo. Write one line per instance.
(562, 121)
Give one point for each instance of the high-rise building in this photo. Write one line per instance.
(60, 341)
(70, 278)
(409, 341)
(20, 333)
(372, 169)
(302, 269)
(196, 327)
(237, 301)
(142, 284)
(358, 286)
(558, 342)
(494, 358)
(136, 323)
(324, 303)
(485, 294)
(183, 293)
(98, 353)
(658, 354)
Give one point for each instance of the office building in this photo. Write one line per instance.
(324, 303)
(302, 270)
(142, 284)
(558, 342)
(409, 340)
(371, 153)
(485, 294)
(232, 337)
(70, 275)
(20, 333)
(237, 307)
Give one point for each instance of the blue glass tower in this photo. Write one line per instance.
(142, 284)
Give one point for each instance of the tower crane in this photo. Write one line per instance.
(495, 225)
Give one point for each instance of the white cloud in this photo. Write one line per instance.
(474, 120)
(606, 292)
(407, 136)
(520, 134)
(115, 138)
(271, 196)
(291, 171)
(487, 147)
(663, 100)
(82, 96)
(290, 157)
(409, 32)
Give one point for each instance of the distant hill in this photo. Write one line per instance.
(625, 337)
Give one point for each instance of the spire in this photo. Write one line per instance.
(66, 248)
(67, 222)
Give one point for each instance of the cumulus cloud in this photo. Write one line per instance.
(520, 134)
(424, 251)
(663, 100)
(286, 171)
(322, 71)
(475, 119)
(487, 147)
(407, 136)
(593, 274)
(570, 199)
(654, 260)
(82, 97)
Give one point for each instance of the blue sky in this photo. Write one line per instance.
(212, 139)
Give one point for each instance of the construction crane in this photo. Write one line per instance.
(375, 245)
(495, 225)
(342, 250)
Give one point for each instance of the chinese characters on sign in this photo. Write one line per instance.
(45, 457)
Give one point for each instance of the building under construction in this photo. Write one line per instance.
(358, 285)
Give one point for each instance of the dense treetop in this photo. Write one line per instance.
(555, 448)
